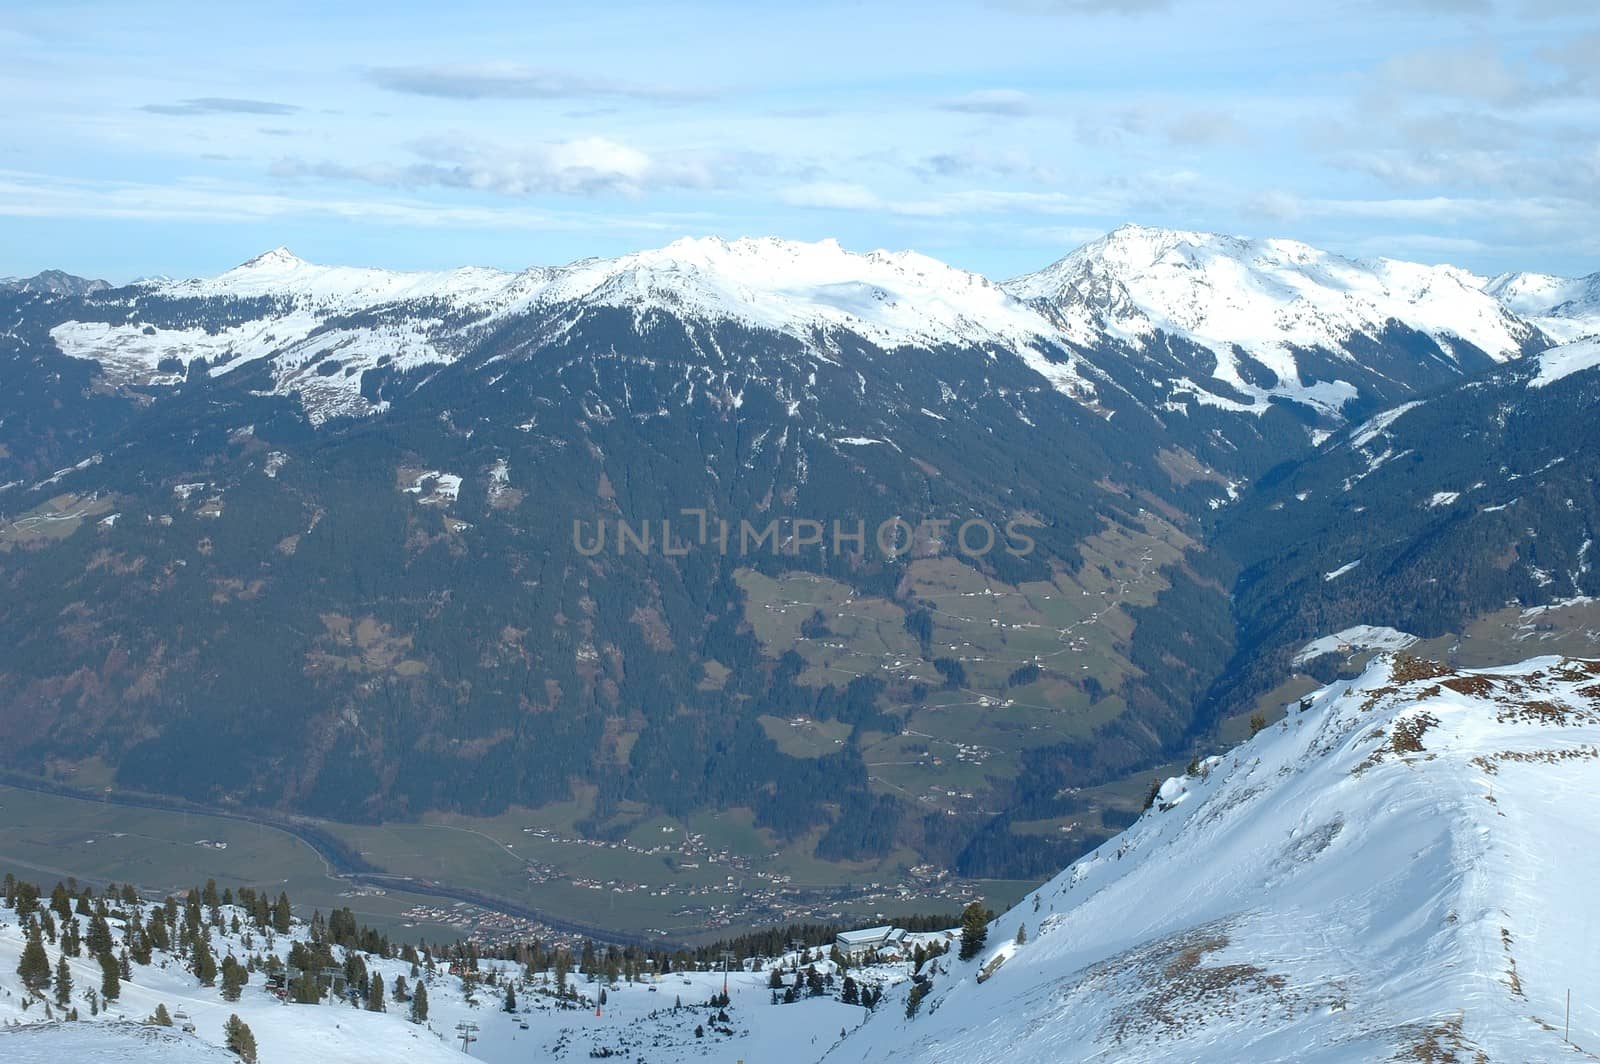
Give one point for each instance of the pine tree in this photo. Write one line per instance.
(110, 978)
(236, 1035)
(99, 939)
(563, 966)
(63, 982)
(419, 1004)
(914, 999)
(511, 997)
(1022, 934)
(26, 899)
(61, 902)
(281, 914)
(34, 965)
(162, 1017)
(974, 929)
(234, 978)
(375, 995)
(205, 964)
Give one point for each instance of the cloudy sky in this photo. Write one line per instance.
(180, 138)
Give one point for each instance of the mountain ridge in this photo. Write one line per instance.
(1387, 873)
(1170, 316)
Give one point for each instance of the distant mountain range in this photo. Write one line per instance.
(1218, 320)
(54, 283)
(309, 536)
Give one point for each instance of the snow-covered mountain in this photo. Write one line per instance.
(1566, 308)
(1172, 318)
(1280, 319)
(323, 327)
(1428, 514)
(1400, 869)
(54, 283)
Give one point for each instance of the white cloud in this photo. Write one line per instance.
(1003, 103)
(513, 81)
(581, 166)
(221, 105)
(27, 195)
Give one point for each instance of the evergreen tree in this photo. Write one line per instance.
(63, 982)
(110, 978)
(563, 966)
(161, 1018)
(234, 978)
(375, 1001)
(919, 990)
(281, 914)
(25, 900)
(61, 902)
(205, 964)
(99, 939)
(34, 965)
(236, 1035)
(974, 929)
(419, 1004)
(1022, 934)
(511, 997)
(304, 990)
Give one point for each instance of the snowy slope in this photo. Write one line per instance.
(891, 298)
(642, 1019)
(106, 1043)
(1403, 868)
(1271, 299)
(1566, 308)
(325, 325)
(1563, 361)
(292, 312)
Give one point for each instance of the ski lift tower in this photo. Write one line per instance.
(334, 975)
(727, 959)
(468, 1033)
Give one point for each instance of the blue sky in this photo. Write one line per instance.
(176, 138)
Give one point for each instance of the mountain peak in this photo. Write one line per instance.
(279, 258)
(56, 283)
(1258, 304)
(792, 286)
